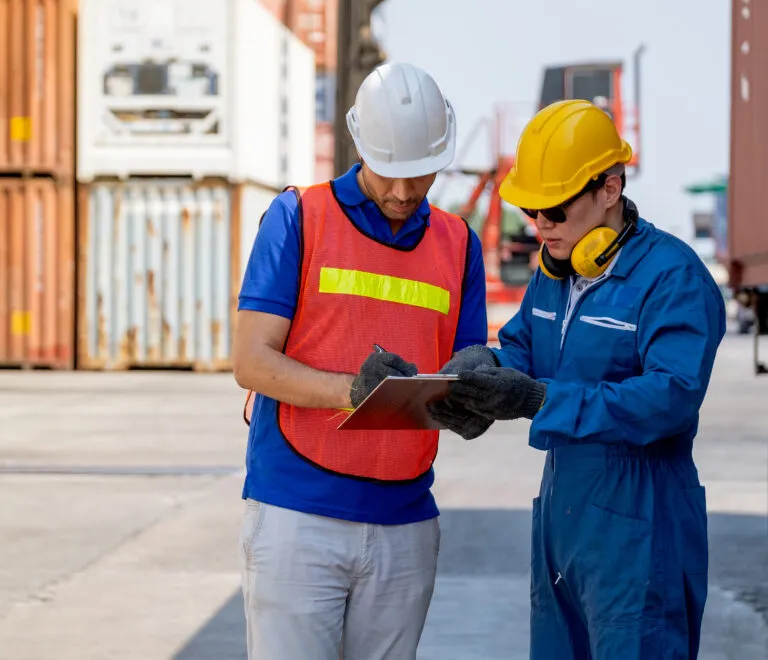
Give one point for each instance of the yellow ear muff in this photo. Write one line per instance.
(589, 248)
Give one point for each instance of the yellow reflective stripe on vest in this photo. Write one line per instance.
(385, 287)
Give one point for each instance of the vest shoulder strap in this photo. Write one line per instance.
(454, 217)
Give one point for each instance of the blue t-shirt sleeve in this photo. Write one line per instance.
(473, 318)
(271, 280)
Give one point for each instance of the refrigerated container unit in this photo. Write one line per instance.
(160, 267)
(192, 87)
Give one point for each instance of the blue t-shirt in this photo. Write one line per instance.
(275, 473)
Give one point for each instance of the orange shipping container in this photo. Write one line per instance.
(37, 273)
(37, 86)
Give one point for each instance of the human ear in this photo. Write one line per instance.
(611, 191)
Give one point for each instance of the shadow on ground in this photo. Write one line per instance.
(480, 546)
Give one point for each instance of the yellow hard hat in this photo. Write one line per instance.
(566, 144)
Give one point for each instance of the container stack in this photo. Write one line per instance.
(192, 116)
(320, 33)
(37, 164)
(315, 22)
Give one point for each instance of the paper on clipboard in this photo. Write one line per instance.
(400, 403)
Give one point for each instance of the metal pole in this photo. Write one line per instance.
(358, 55)
(343, 71)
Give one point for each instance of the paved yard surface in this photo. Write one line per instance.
(120, 513)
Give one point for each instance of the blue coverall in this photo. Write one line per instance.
(619, 542)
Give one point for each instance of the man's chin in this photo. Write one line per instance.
(398, 216)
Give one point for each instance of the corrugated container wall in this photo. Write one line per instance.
(37, 86)
(161, 262)
(186, 87)
(748, 216)
(37, 273)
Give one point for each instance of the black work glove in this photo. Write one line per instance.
(452, 414)
(498, 393)
(455, 417)
(376, 368)
(470, 358)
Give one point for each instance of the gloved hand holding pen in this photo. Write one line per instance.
(377, 366)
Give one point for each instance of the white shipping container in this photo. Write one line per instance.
(161, 263)
(301, 127)
(193, 88)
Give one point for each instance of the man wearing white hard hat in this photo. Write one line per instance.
(350, 281)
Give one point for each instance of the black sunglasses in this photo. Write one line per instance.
(557, 214)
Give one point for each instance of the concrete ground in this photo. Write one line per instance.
(120, 513)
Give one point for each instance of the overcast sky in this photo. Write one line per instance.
(486, 51)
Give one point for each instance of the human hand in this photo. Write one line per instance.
(455, 417)
(376, 368)
(470, 358)
(498, 392)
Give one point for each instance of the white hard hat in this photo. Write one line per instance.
(401, 123)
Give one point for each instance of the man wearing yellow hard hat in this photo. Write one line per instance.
(609, 357)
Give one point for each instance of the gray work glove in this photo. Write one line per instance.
(376, 368)
(470, 358)
(455, 417)
(498, 393)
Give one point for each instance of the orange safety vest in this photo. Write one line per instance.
(356, 291)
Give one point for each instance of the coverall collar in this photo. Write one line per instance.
(632, 252)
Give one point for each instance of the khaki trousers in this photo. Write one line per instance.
(319, 588)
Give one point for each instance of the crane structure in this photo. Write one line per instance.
(510, 260)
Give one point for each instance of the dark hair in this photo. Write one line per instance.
(622, 176)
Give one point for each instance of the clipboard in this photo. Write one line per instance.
(400, 403)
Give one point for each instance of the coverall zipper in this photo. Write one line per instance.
(570, 311)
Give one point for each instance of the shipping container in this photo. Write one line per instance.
(161, 263)
(325, 97)
(324, 149)
(314, 22)
(747, 216)
(37, 86)
(300, 95)
(192, 88)
(277, 8)
(747, 213)
(37, 273)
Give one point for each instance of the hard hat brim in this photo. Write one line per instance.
(511, 193)
(409, 169)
